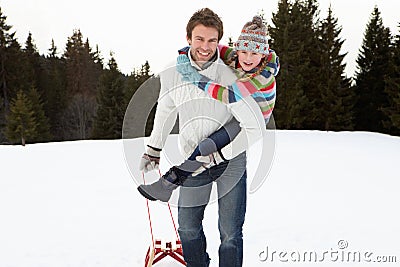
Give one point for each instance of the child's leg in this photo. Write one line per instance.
(163, 188)
(211, 144)
(220, 138)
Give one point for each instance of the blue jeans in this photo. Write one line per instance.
(230, 178)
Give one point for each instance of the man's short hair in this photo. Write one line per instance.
(208, 18)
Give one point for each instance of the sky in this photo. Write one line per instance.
(75, 204)
(154, 30)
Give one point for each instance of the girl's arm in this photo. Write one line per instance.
(263, 83)
(262, 87)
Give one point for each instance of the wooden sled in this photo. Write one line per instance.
(163, 249)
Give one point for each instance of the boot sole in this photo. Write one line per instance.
(145, 194)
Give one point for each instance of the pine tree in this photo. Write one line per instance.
(372, 67)
(98, 60)
(93, 65)
(83, 66)
(53, 50)
(75, 64)
(31, 69)
(10, 54)
(392, 88)
(5, 39)
(306, 13)
(82, 76)
(42, 122)
(135, 80)
(111, 108)
(291, 100)
(21, 124)
(145, 73)
(10, 70)
(55, 93)
(336, 96)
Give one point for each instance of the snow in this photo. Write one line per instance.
(76, 203)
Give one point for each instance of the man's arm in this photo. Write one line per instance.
(164, 121)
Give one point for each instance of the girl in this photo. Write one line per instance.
(256, 67)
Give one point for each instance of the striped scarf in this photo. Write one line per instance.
(262, 86)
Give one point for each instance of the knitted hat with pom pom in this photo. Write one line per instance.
(253, 37)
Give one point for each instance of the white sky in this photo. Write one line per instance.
(154, 30)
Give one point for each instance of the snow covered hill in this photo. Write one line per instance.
(329, 196)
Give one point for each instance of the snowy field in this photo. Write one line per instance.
(330, 199)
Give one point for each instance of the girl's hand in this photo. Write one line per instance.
(210, 160)
(185, 68)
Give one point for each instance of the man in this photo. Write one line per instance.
(200, 116)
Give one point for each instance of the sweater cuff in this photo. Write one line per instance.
(155, 148)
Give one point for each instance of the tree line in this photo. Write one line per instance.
(55, 97)
(75, 95)
(313, 90)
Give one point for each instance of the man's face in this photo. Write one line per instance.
(204, 43)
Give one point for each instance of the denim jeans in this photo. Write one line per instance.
(230, 178)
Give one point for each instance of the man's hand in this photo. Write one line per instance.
(150, 160)
(188, 72)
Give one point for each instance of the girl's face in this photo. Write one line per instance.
(249, 60)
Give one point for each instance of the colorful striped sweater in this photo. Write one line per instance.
(261, 87)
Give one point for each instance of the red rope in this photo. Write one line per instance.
(148, 212)
(173, 222)
(172, 217)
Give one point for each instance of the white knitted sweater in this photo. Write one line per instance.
(200, 115)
